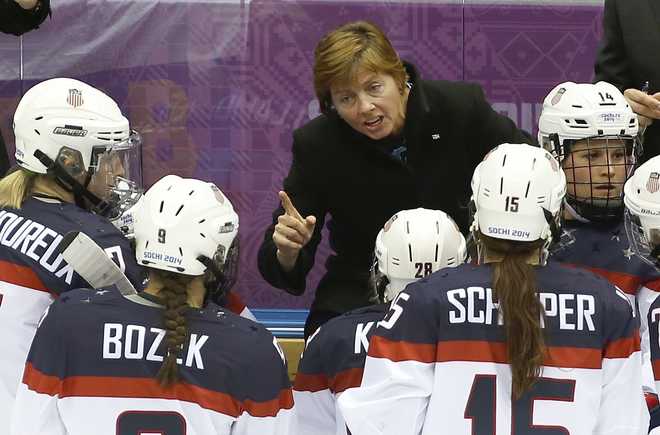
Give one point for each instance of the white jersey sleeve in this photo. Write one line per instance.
(315, 403)
(645, 297)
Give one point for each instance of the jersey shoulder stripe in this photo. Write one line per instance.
(110, 386)
(19, 275)
(496, 352)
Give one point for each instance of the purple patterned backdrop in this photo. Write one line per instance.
(216, 88)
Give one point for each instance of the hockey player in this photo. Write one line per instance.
(124, 222)
(513, 344)
(411, 245)
(73, 145)
(642, 218)
(167, 360)
(591, 131)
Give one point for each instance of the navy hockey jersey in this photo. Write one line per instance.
(32, 273)
(332, 362)
(437, 362)
(92, 366)
(605, 250)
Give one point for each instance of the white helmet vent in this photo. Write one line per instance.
(202, 221)
(179, 210)
(160, 210)
(410, 252)
(436, 250)
(37, 131)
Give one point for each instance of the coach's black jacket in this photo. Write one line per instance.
(449, 128)
(16, 20)
(629, 54)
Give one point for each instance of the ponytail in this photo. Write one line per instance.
(15, 187)
(174, 295)
(514, 286)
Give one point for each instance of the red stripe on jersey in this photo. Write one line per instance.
(311, 383)
(40, 382)
(149, 388)
(623, 347)
(20, 275)
(626, 282)
(346, 379)
(653, 285)
(380, 347)
(234, 303)
(656, 369)
(496, 352)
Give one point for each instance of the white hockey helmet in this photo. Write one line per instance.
(71, 129)
(642, 217)
(517, 193)
(413, 244)
(180, 224)
(600, 118)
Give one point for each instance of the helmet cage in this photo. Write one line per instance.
(597, 201)
(647, 248)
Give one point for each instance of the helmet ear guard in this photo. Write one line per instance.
(58, 169)
(378, 281)
(221, 271)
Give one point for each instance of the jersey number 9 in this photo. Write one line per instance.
(146, 422)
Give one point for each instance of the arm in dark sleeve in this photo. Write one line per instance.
(491, 128)
(16, 20)
(306, 195)
(4, 157)
(611, 62)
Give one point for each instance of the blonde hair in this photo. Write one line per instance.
(15, 187)
(342, 52)
(174, 297)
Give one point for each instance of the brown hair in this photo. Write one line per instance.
(15, 187)
(514, 286)
(342, 52)
(174, 295)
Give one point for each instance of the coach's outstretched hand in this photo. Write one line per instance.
(292, 233)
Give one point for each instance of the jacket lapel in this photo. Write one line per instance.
(655, 7)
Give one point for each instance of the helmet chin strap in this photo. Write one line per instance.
(655, 254)
(67, 182)
(574, 214)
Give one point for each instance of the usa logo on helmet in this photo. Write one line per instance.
(653, 184)
(558, 96)
(75, 98)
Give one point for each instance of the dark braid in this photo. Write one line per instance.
(174, 296)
